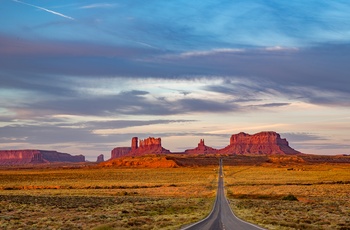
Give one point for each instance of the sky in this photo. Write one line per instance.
(83, 77)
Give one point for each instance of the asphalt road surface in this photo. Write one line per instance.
(221, 217)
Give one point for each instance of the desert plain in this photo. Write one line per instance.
(274, 192)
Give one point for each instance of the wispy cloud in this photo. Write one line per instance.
(99, 5)
(273, 105)
(222, 51)
(47, 10)
(280, 48)
(210, 52)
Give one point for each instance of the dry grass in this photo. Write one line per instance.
(192, 182)
(105, 198)
(322, 191)
(166, 198)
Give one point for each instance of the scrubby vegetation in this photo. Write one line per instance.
(274, 196)
(105, 198)
(307, 197)
(86, 212)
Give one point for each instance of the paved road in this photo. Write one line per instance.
(221, 216)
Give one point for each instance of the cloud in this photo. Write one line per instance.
(303, 137)
(272, 105)
(317, 75)
(24, 48)
(99, 5)
(208, 52)
(39, 85)
(279, 49)
(66, 97)
(292, 68)
(222, 60)
(315, 142)
(127, 103)
(119, 124)
(223, 51)
(325, 146)
(60, 133)
(44, 9)
(206, 106)
(240, 89)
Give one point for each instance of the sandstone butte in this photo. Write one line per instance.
(30, 156)
(100, 158)
(201, 149)
(149, 145)
(260, 143)
(269, 143)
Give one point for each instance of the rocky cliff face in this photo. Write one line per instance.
(260, 143)
(14, 157)
(100, 158)
(29, 156)
(201, 149)
(149, 145)
(134, 143)
(54, 156)
(119, 152)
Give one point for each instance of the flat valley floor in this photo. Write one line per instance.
(272, 195)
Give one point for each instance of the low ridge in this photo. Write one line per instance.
(33, 156)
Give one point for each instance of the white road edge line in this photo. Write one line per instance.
(212, 210)
(239, 218)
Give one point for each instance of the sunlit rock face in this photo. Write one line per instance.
(14, 157)
(149, 145)
(201, 149)
(260, 143)
(32, 156)
(241, 143)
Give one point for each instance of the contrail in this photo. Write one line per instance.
(47, 10)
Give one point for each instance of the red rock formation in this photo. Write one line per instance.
(134, 144)
(37, 158)
(100, 158)
(150, 145)
(15, 157)
(120, 152)
(201, 149)
(260, 143)
(54, 156)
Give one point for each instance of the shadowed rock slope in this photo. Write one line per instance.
(30, 156)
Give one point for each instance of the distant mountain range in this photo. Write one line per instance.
(269, 143)
(263, 143)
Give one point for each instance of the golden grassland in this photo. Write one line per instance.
(260, 194)
(105, 198)
(168, 198)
